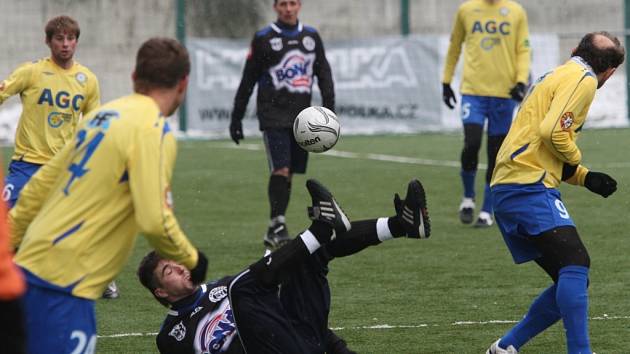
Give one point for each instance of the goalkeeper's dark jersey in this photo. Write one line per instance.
(283, 61)
(204, 323)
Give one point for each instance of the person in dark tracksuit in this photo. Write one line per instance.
(284, 59)
(279, 304)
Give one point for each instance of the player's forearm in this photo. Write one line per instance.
(451, 61)
(171, 243)
(244, 92)
(579, 176)
(522, 66)
(563, 147)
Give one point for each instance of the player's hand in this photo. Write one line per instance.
(568, 171)
(448, 95)
(600, 183)
(236, 130)
(518, 92)
(198, 274)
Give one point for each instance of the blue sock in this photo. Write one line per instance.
(468, 179)
(487, 199)
(572, 300)
(541, 315)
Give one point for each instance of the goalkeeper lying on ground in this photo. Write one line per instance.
(246, 313)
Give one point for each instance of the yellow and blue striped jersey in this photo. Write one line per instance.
(77, 219)
(496, 47)
(53, 100)
(543, 134)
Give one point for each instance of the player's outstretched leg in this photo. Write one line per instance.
(329, 220)
(412, 211)
(326, 209)
(411, 220)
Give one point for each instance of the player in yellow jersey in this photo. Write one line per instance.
(538, 154)
(495, 37)
(77, 219)
(55, 92)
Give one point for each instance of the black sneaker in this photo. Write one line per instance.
(111, 292)
(413, 212)
(276, 236)
(326, 209)
(466, 211)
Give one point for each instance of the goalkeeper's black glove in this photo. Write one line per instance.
(448, 95)
(568, 171)
(518, 92)
(600, 183)
(236, 130)
(198, 274)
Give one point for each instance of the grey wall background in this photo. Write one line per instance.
(113, 29)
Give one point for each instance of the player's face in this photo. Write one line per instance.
(288, 10)
(62, 47)
(174, 279)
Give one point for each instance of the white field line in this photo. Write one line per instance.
(387, 326)
(402, 159)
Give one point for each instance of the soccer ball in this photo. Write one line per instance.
(316, 129)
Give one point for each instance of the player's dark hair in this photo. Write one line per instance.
(61, 23)
(600, 58)
(146, 275)
(160, 63)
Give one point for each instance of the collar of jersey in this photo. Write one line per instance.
(286, 32)
(187, 306)
(583, 62)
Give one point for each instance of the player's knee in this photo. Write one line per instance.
(283, 171)
(264, 274)
(472, 145)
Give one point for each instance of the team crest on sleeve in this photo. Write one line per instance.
(217, 294)
(276, 43)
(308, 42)
(178, 331)
(566, 121)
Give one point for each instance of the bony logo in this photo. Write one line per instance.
(294, 72)
(62, 99)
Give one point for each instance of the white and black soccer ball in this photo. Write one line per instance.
(316, 129)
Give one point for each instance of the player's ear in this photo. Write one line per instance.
(133, 75)
(160, 293)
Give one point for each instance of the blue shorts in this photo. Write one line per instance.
(498, 111)
(283, 151)
(525, 211)
(19, 173)
(57, 321)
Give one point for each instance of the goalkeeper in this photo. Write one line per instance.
(245, 314)
(538, 154)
